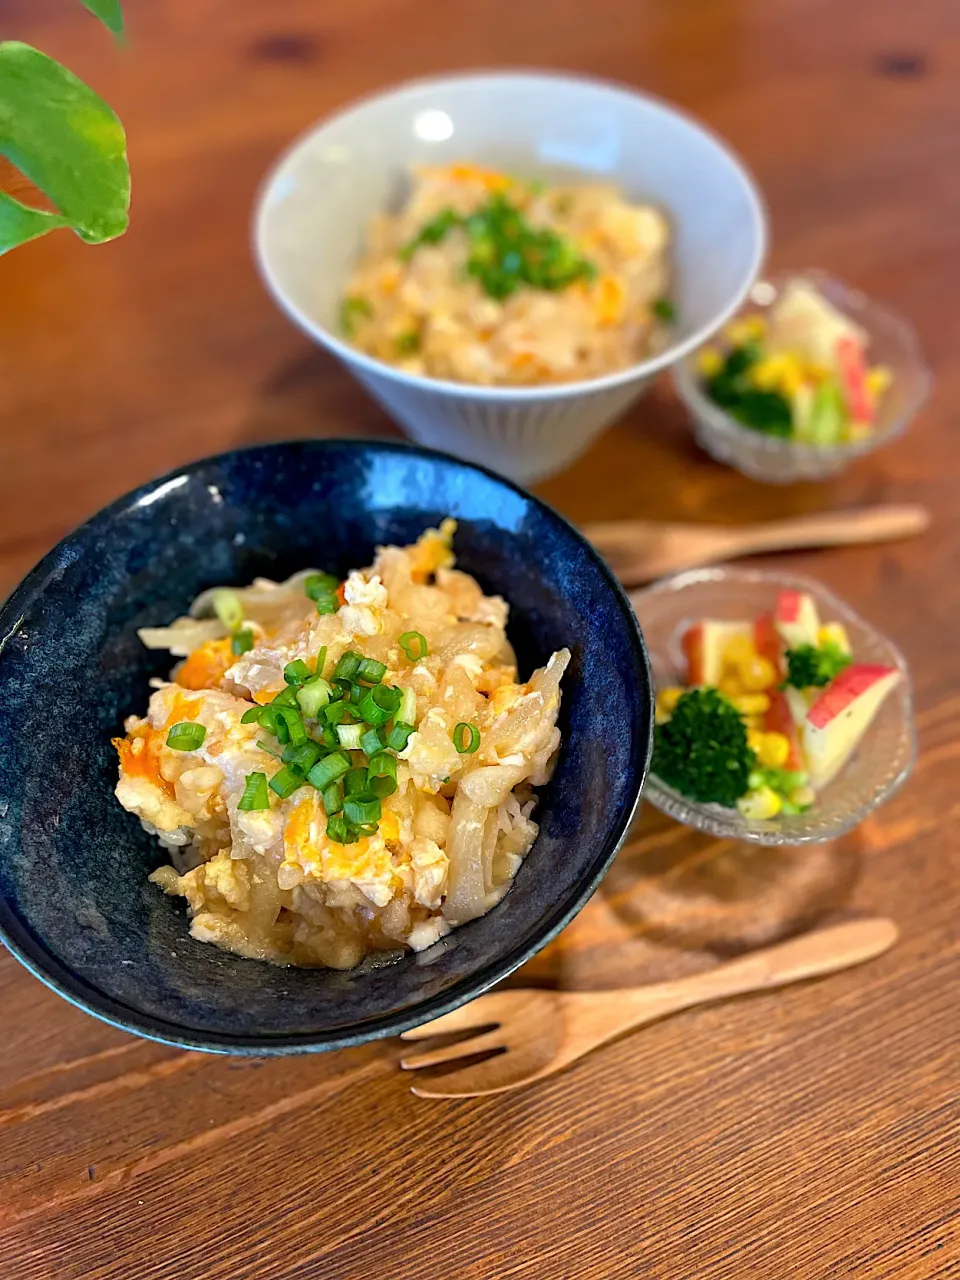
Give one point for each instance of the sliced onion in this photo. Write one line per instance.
(262, 592)
(182, 636)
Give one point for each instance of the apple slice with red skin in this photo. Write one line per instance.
(842, 714)
(778, 719)
(796, 618)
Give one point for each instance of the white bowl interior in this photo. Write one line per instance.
(319, 198)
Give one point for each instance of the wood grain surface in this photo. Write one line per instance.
(809, 1133)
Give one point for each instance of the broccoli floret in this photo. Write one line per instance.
(811, 668)
(702, 749)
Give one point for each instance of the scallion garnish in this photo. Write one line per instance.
(313, 697)
(292, 718)
(664, 310)
(286, 781)
(339, 712)
(379, 703)
(414, 645)
(350, 309)
(285, 698)
(407, 710)
(255, 793)
(228, 607)
(303, 757)
(339, 830)
(241, 641)
(328, 770)
(265, 746)
(320, 584)
(466, 738)
(372, 741)
(370, 671)
(297, 672)
(398, 736)
(333, 799)
(186, 736)
(251, 715)
(348, 666)
(273, 722)
(382, 775)
(327, 604)
(362, 809)
(349, 735)
(355, 782)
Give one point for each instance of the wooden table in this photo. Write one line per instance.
(811, 1133)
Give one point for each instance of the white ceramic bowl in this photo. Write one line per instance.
(317, 201)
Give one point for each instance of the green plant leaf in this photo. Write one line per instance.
(18, 223)
(66, 140)
(109, 13)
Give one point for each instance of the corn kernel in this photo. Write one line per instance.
(751, 704)
(738, 649)
(757, 674)
(773, 751)
(667, 700)
(759, 805)
(766, 374)
(755, 739)
(745, 329)
(709, 362)
(878, 381)
(834, 633)
(731, 685)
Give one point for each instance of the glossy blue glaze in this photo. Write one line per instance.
(75, 905)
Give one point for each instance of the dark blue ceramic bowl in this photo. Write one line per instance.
(75, 905)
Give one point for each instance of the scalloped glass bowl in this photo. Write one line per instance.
(893, 342)
(882, 762)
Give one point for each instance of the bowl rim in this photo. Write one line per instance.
(718, 420)
(468, 390)
(771, 833)
(32, 952)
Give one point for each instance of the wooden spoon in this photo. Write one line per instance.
(640, 550)
(539, 1032)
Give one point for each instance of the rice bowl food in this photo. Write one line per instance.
(337, 769)
(489, 279)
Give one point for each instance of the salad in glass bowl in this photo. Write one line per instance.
(808, 376)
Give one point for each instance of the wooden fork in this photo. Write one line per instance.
(641, 550)
(539, 1032)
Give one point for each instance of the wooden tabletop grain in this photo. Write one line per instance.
(811, 1133)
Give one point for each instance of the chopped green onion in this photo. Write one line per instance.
(431, 232)
(379, 703)
(466, 738)
(398, 736)
(664, 309)
(328, 770)
(294, 722)
(332, 799)
(285, 698)
(339, 830)
(252, 715)
(362, 809)
(320, 662)
(313, 697)
(382, 775)
(286, 781)
(370, 671)
(255, 793)
(408, 343)
(348, 666)
(349, 735)
(241, 641)
(350, 308)
(273, 722)
(265, 746)
(186, 736)
(328, 737)
(321, 584)
(414, 645)
(303, 757)
(355, 782)
(373, 741)
(228, 608)
(407, 710)
(297, 672)
(327, 604)
(338, 712)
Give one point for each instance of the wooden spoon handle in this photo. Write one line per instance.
(829, 528)
(808, 956)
